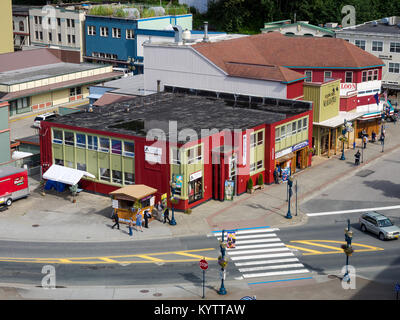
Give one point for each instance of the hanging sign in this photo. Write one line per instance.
(195, 176)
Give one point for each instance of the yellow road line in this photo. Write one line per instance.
(304, 249)
(148, 258)
(335, 249)
(318, 245)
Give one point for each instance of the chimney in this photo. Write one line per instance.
(178, 34)
(206, 39)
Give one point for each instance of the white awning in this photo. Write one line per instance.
(65, 175)
(20, 155)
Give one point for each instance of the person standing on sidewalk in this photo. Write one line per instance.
(365, 140)
(276, 175)
(130, 228)
(116, 220)
(166, 216)
(139, 221)
(146, 216)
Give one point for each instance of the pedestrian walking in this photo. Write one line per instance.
(166, 216)
(357, 158)
(146, 217)
(116, 220)
(276, 175)
(373, 136)
(139, 221)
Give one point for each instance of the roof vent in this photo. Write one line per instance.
(206, 39)
(178, 34)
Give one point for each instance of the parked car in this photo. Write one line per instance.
(379, 224)
(43, 117)
(13, 184)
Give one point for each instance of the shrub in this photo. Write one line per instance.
(260, 180)
(250, 184)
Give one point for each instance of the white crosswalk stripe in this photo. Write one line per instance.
(260, 253)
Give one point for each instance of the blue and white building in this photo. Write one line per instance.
(118, 41)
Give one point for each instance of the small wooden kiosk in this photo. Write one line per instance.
(127, 201)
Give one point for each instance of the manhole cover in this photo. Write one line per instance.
(157, 294)
(144, 291)
(35, 225)
(364, 173)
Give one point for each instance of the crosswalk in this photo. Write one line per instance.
(260, 253)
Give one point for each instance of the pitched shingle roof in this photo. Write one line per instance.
(274, 49)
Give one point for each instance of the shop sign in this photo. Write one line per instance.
(195, 176)
(244, 150)
(300, 146)
(152, 154)
(231, 240)
(283, 153)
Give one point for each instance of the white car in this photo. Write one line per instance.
(43, 117)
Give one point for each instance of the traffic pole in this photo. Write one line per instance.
(204, 280)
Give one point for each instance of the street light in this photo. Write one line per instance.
(382, 131)
(290, 184)
(173, 186)
(348, 250)
(223, 262)
(346, 128)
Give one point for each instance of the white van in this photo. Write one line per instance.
(42, 117)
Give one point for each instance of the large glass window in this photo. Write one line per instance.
(81, 166)
(305, 120)
(260, 138)
(116, 146)
(105, 174)
(283, 132)
(92, 142)
(129, 149)
(117, 176)
(104, 144)
(129, 178)
(69, 138)
(80, 140)
(299, 126)
(294, 127)
(277, 135)
(57, 136)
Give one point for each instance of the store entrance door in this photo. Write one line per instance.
(195, 187)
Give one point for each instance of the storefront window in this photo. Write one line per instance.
(69, 138)
(104, 144)
(195, 190)
(57, 136)
(105, 174)
(80, 140)
(117, 176)
(129, 178)
(129, 149)
(116, 146)
(92, 143)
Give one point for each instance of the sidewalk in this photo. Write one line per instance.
(54, 217)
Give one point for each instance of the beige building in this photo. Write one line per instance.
(20, 16)
(59, 28)
(40, 79)
(6, 43)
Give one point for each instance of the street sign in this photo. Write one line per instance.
(203, 264)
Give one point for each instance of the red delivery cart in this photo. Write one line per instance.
(13, 184)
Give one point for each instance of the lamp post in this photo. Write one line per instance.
(173, 186)
(290, 184)
(223, 262)
(344, 131)
(348, 250)
(382, 131)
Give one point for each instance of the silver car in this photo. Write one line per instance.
(379, 224)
